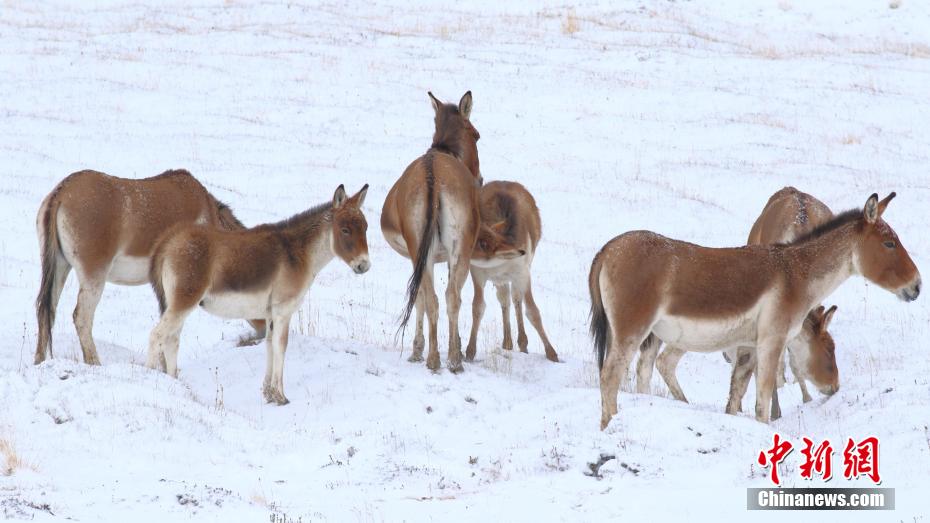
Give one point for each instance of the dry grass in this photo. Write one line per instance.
(785, 5)
(571, 24)
(894, 4)
(12, 461)
(851, 139)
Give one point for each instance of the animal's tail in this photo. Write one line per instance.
(426, 240)
(155, 273)
(600, 328)
(50, 253)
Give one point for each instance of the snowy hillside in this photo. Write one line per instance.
(681, 117)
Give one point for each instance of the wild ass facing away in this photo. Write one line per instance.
(262, 272)
(788, 215)
(105, 228)
(710, 299)
(511, 212)
(431, 215)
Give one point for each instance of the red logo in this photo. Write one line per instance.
(859, 459)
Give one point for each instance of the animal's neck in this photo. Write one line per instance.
(825, 262)
(320, 251)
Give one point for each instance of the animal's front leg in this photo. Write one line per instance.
(279, 346)
(269, 363)
(768, 351)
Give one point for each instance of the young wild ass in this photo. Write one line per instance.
(711, 299)
(431, 215)
(512, 214)
(105, 228)
(262, 272)
(788, 215)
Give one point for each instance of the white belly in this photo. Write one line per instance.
(237, 305)
(707, 335)
(129, 270)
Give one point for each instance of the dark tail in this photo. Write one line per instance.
(426, 240)
(228, 220)
(50, 254)
(600, 328)
(155, 271)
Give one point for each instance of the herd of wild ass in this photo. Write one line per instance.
(646, 290)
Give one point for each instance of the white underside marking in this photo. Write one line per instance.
(129, 270)
(238, 305)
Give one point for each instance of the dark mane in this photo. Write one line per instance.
(303, 222)
(448, 129)
(844, 218)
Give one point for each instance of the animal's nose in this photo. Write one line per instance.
(362, 267)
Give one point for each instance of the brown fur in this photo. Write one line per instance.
(431, 215)
(110, 221)
(264, 271)
(642, 284)
(504, 254)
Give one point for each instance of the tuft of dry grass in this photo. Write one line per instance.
(850, 139)
(894, 4)
(571, 24)
(12, 461)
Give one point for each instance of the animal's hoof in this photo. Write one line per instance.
(432, 363)
(281, 401)
(552, 356)
(470, 353)
(456, 367)
(508, 345)
(415, 358)
(93, 360)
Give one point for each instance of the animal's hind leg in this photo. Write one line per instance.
(273, 389)
(62, 269)
(164, 342)
(458, 273)
(615, 369)
(418, 340)
(647, 359)
(87, 300)
(503, 296)
(517, 296)
(739, 380)
(432, 314)
(532, 313)
(477, 311)
(667, 364)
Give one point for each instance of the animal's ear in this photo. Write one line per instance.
(826, 319)
(819, 311)
(360, 196)
(499, 227)
(871, 209)
(340, 197)
(465, 105)
(437, 105)
(884, 203)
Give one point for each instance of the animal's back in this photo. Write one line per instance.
(788, 214)
(511, 203)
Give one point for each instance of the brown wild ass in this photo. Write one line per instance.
(262, 272)
(789, 214)
(710, 299)
(105, 228)
(511, 213)
(431, 215)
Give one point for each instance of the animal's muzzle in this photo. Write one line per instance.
(361, 266)
(911, 293)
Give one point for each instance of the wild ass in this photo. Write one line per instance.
(511, 212)
(708, 299)
(105, 228)
(262, 272)
(788, 215)
(431, 215)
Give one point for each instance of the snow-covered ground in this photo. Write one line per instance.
(679, 117)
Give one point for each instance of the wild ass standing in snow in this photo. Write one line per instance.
(262, 272)
(788, 215)
(512, 213)
(643, 284)
(105, 228)
(431, 215)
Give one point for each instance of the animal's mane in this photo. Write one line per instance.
(844, 218)
(306, 221)
(446, 137)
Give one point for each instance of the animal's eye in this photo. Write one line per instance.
(890, 244)
(346, 231)
(483, 245)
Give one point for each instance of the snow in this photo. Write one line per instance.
(677, 117)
